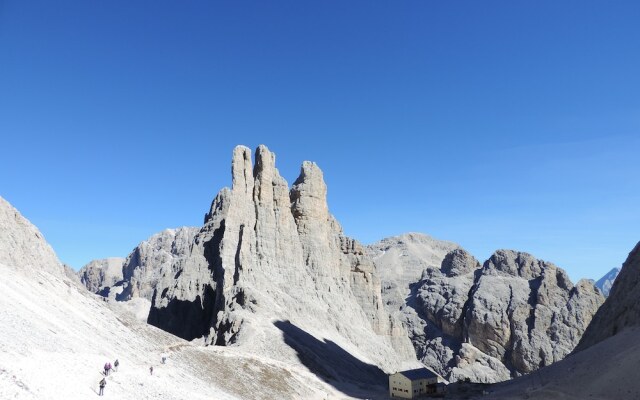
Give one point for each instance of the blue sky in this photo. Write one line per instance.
(492, 124)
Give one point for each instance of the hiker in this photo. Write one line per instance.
(102, 384)
(106, 369)
(151, 369)
(115, 365)
(164, 358)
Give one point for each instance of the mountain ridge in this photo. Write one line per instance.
(606, 282)
(463, 317)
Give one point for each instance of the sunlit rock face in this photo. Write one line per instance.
(270, 253)
(98, 274)
(21, 243)
(526, 312)
(152, 260)
(488, 323)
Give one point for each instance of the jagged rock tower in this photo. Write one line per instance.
(270, 262)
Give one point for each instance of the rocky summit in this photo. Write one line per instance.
(489, 322)
(272, 271)
(606, 282)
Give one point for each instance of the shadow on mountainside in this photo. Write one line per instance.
(185, 319)
(430, 329)
(332, 363)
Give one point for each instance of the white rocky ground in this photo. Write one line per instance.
(55, 337)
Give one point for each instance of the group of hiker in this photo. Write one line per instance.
(108, 367)
(107, 371)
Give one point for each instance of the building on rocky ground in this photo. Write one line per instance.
(415, 383)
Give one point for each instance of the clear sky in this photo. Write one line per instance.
(493, 124)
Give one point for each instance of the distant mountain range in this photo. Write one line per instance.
(606, 282)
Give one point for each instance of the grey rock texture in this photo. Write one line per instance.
(47, 320)
(526, 312)
(152, 260)
(21, 243)
(488, 323)
(98, 274)
(605, 362)
(272, 271)
(606, 282)
(442, 295)
(621, 310)
(400, 262)
(402, 259)
(71, 273)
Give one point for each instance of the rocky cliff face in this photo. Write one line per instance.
(272, 271)
(48, 318)
(605, 362)
(98, 274)
(21, 243)
(606, 282)
(526, 312)
(621, 310)
(272, 263)
(505, 318)
(152, 260)
(138, 275)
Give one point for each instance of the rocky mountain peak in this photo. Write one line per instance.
(516, 263)
(242, 170)
(267, 253)
(526, 266)
(458, 262)
(265, 162)
(509, 317)
(308, 194)
(606, 282)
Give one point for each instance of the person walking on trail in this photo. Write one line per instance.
(115, 365)
(164, 358)
(106, 369)
(151, 369)
(102, 384)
